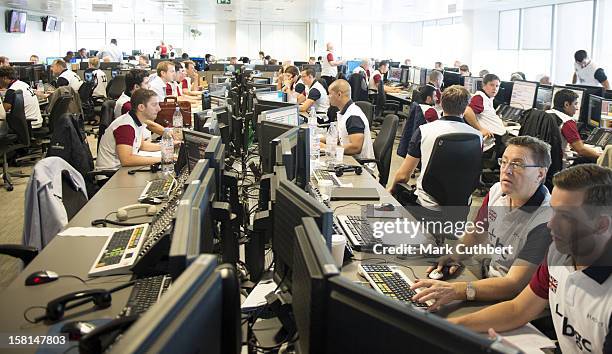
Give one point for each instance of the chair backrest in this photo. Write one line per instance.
(359, 87)
(61, 106)
(414, 121)
(72, 197)
(453, 169)
(107, 115)
(324, 84)
(16, 120)
(381, 99)
(115, 87)
(383, 147)
(367, 109)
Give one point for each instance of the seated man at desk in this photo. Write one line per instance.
(420, 148)
(125, 136)
(378, 76)
(565, 104)
(166, 73)
(514, 213)
(136, 79)
(426, 100)
(481, 114)
(65, 77)
(363, 68)
(10, 83)
(316, 95)
(436, 79)
(574, 280)
(353, 126)
(180, 87)
(100, 75)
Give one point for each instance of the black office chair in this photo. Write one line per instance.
(367, 109)
(451, 188)
(86, 94)
(115, 87)
(383, 147)
(414, 121)
(383, 106)
(359, 87)
(107, 115)
(17, 138)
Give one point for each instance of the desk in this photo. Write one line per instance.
(402, 97)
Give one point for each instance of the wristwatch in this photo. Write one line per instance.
(470, 291)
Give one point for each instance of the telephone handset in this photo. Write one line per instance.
(122, 213)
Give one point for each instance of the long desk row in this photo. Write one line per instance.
(69, 255)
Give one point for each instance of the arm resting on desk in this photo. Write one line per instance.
(124, 152)
(583, 150)
(507, 315)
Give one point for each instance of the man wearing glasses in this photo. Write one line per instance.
(514, 213)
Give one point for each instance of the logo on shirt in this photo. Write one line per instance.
(492, 215)
(552, 284)
(568, 330)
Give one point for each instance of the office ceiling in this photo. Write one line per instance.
(201, 11)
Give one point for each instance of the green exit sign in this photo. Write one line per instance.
(224, 2)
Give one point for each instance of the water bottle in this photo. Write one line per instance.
(167, 152)
(331, 141)
(40, 86)
(206, 99)
(177, 124)
(314, 139)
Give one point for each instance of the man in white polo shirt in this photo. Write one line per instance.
(420, 148)
(481, 114)
(586, 72)
(316, 95)
(65, 77)
(8, 81)
(100, 75)
(513, 214)
(575, 280)
(329, 65)
(161, 83)
(125, 136)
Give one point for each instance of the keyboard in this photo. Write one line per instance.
(323, 175)
(357, 230)
(509, 113)
(162, 221)
(392, 282)
(120, 251)
(145, 293)
(158, 188)
(600, 137)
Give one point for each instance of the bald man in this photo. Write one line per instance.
(329, 65)
(353, 127)
(364, 68)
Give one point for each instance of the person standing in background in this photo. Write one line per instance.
(586, 72)
(329, 65)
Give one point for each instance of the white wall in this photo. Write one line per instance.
(19, 46)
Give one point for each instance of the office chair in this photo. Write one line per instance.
(107, 115)
(383, 107)
(17, 138)
(413, 122)
(450, 187)
(359, 87)
(383, 147)
(115, 87)
(367, 109)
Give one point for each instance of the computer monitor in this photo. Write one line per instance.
(544, 97)
(524, 94)
(394, 64)
(109, 65)
(578, 116)
(452, 78)
(268, 132)
(395, 75)
(262, 80)
(271, 96)
(608, 94)
(50, 60)
(590, 90)
(472, 84)
(201, 209)
(390, 324)
(292, 204)
(286, 115)
(261, 106)
(200, 146)
(596, 107)
(302, 158)
(405, 77)
(423, 76)
(606, 113)
(313, 265)
(216, 67)
(314, 67)
(186, 319)
(285, 146)
(455, 70)
(261, 87)
(352, 65)
(298, 64)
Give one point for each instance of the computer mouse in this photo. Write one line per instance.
(77, 329)
(435, 275)
(445, 273)
(41, 277)
(385, 207)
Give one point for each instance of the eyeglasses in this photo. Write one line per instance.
(516, 166)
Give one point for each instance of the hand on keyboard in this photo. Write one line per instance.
(440, 292)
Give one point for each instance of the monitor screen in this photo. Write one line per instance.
(523, 94)
(352, 65)
(544, 98)
(284, 115)
(405, 76)
(268, 134)
(16, 21)
(579, 92)
(395, 74)
(472, 84)
(273, 96)
(596, 109)
(196, 145)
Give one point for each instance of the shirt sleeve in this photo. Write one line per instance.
(9, 97)
(330, 57)
(126, 107)
(300, 88)
(184, 84)
(354, 125)
(483, 213)
(377, 78)
(124, 135)
(62, 82)
(570, 131)
(314, 94)
(538, 241)
(414, 147)
(600, 75)
(431, 115)
(539, 281)
(159, 90)
(477, 104)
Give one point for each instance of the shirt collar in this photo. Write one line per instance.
(346, 107)
(564, 117)
(601, 270)
(453, 119)
(536, 200)
(136, 120)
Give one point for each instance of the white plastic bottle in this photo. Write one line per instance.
(167, 152)
(177, 124)
(331, 141)
(314, 139)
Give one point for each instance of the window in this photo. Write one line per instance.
(569, 39)
(537, 27)
(508, 37)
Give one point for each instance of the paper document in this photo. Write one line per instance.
(149, 153)
(88, 231)
(528, 339)
(257, 297)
